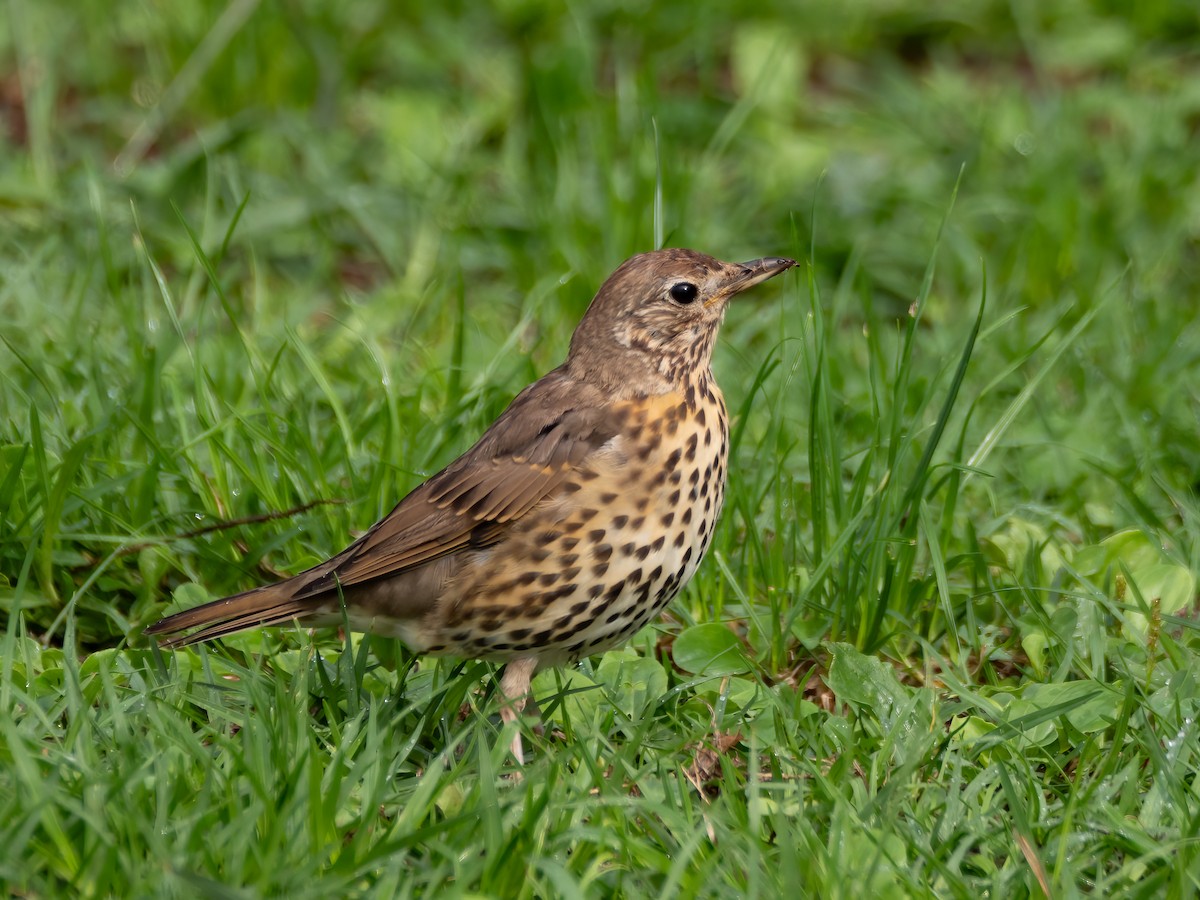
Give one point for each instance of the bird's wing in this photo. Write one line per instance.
(540, 443)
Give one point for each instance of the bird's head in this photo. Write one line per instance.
(657, 315)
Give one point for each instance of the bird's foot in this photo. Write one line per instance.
(514, 686)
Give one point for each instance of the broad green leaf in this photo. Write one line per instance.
(566, 695)
(1131, 546)
(1095, 706)
(709, 649)
(864, 681)
(635, 681)
(1169, 587)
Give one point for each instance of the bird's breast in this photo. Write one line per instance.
(594, 563)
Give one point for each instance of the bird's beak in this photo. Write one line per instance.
(756, 271)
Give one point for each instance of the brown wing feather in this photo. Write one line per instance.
(267, 605)
(232, 614)
(544, 437)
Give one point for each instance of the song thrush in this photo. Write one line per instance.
(577, 516)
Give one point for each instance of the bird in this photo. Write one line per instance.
(572, 522)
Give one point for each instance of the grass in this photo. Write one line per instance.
(264, 267)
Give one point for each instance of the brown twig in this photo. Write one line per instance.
(222, 526)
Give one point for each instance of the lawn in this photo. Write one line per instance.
(266, 266)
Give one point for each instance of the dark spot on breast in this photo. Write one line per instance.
(580, 606)
(676, 477)
(436, 648)
(608, 497)
(602, 553)
(490, 624)
(691, 447)
(707, 437)
(568, 559)
(596, 535)
(655, 574)
(570, 543)
(680, 539)
(570, 573)
(687, 516)
(700, 416)
(627, 549)
(571, 487)
(588, 474)
(528, 578)
(637, 523)
(620, 522)
(586, 515)
(547, 537)
(694, 477)
(492, 592)
(673, 459)
(548, 579)
(643, 552)
(658, 543)
(668, 519)
(674, 498)
(599, 569)
(540, 555)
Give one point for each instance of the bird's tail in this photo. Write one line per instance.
(272, 604)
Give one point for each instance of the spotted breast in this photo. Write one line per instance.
(598, 562)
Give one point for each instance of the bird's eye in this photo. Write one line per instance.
(684, 292)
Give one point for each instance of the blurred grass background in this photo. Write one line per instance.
(274, 263)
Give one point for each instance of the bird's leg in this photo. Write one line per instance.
(514, 687)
